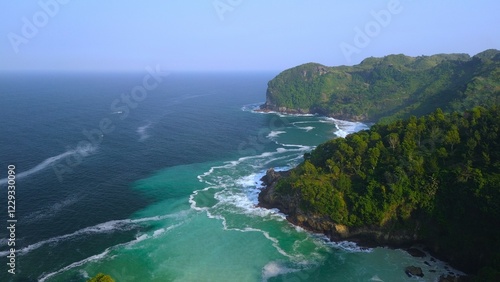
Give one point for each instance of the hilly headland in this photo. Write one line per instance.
(427, 172)
(388, 88)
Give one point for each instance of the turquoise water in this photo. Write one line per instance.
(171, 193)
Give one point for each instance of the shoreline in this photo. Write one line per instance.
(363, 237)
(264, 108)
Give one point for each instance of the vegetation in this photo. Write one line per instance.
(441, 171)
(388, 88)
(101, 278)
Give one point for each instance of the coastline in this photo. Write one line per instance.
(364, 238)
(266, 108)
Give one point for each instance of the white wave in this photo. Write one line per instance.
(81, 151)
(275, 268)
(192, 96)
(251, 180)
(244, 199)
(345, 128)
(306, 128)
(100, 256)
(347, 246)
(309, 121)
(275, 133)
(158, 232)
(84, 274)
(293, 115)
(129, 244)
(193, 203)
(142, 131)
(255, 110)
(141, 237)
(299, 147)
(376, 278)
(106, 227)
(51, 209)
(243, 203)
(202, 177)
(251, 107)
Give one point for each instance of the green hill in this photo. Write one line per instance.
(384, 89)
(433, 179)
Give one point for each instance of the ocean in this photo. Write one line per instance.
(156, 179)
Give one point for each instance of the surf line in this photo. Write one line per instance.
(123, 106)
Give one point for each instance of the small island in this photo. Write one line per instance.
(430, 179)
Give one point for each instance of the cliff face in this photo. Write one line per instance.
(433, 180)
(394, 86)
(366, 236)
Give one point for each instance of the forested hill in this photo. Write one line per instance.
(395, 86)
(433, 179)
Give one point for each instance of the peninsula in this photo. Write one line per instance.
(427, 172)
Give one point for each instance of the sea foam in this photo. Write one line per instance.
(81, 151)
(143, 131)
(345, 128)
(105, 227)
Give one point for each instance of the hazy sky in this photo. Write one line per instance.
(224, 35)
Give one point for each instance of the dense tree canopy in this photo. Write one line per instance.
(101, 278)
(388, 88)
(441, 169)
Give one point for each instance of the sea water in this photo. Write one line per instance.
(167, 189)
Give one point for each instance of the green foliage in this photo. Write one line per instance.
(101, 278)
(440, 168)
(388, 88)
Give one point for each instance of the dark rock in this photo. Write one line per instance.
(412, 271)
(414, 252)
(267, 196)
(427, 263)
(271, 177)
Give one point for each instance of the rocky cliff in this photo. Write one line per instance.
(366, 236)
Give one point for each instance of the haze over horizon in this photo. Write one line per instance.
(235, 35)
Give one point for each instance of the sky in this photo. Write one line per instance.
(235, 35)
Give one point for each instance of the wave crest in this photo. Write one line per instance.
(82, 151)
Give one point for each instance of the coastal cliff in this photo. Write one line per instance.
(433, 181)
(365, 236)
(384, 89)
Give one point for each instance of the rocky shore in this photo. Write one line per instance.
(268, 107)
(366, 236)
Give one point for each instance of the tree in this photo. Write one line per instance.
(393, 140)
(373, 154)
(452, 137)
(101, 278)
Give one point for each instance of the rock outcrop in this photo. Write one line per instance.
(412, 271)
(366, 236)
